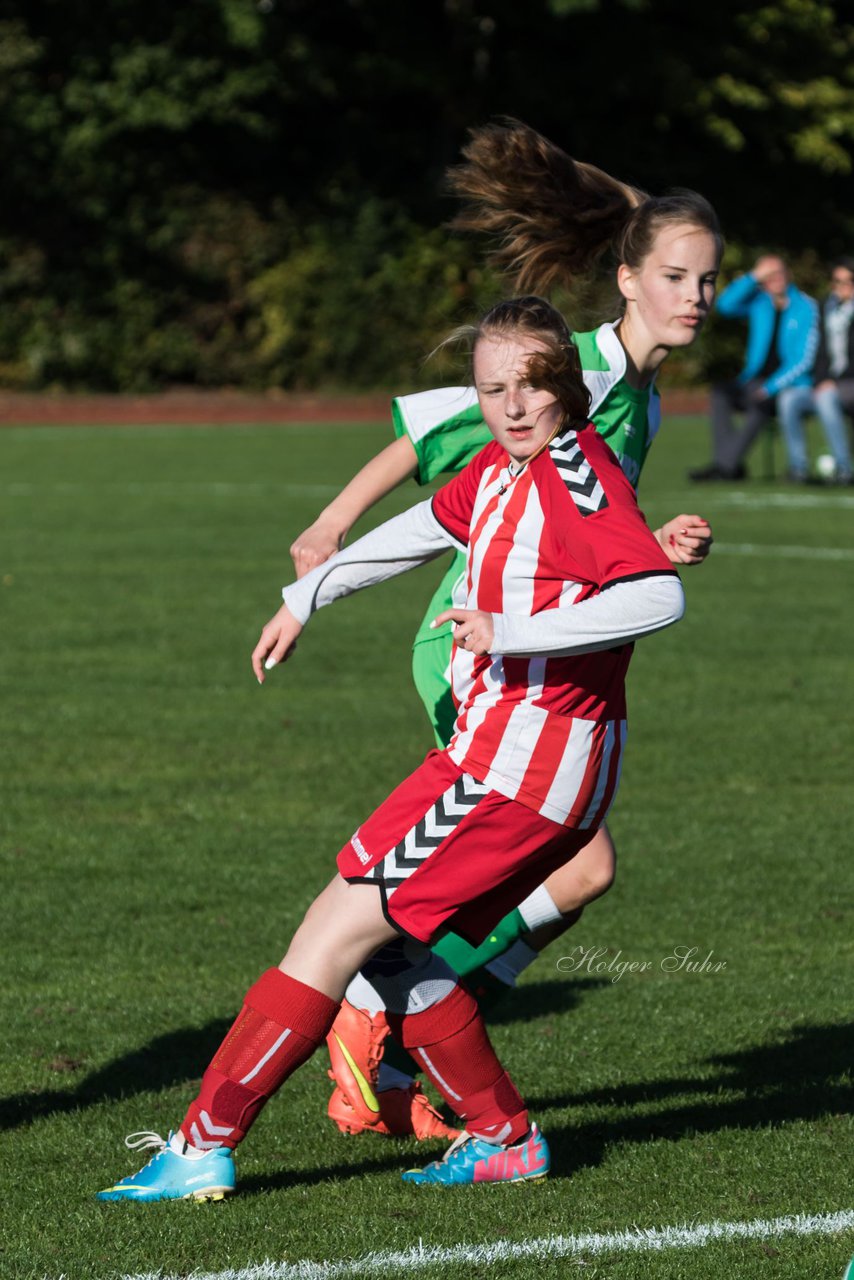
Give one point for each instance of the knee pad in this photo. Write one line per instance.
(403, 977)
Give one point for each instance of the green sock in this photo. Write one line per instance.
(463, 958)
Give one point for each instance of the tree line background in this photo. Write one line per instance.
(249, 193)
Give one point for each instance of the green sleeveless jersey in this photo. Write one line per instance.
(446, 429)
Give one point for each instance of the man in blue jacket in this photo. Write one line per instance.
(782, 335)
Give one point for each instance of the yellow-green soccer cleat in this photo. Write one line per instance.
(173, 1174)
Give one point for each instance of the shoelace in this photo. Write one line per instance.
(145, 1139)
(455, 1146)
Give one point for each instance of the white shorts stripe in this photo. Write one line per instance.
(440, 821)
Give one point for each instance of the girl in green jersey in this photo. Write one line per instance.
(551, 218)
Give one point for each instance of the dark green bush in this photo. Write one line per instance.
(248, 193)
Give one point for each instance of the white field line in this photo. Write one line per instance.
(751, 501)
(229, 489)
(748, 501)
(772, 550)
(777, 501)
(637, 1240)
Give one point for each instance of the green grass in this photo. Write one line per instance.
(165, 822)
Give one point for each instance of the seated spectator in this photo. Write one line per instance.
(832, 392)
(782, 333)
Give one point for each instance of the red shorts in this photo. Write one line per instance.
(448, 853)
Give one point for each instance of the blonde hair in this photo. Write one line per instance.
(549, 218)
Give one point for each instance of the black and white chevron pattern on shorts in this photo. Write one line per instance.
(440, 820)
(577, 474)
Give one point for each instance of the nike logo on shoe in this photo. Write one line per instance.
(368, 1096)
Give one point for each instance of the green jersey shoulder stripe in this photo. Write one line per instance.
(445, 426)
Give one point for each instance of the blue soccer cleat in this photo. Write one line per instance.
(471, 1159)
(171, 1175)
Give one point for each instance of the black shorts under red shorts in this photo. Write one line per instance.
(448, 853)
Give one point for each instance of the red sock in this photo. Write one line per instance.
(450, 1040)
(280, 1025)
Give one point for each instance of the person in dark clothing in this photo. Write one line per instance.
(832, 392)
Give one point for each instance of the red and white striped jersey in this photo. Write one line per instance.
(548, 730)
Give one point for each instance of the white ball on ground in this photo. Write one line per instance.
(825, 466)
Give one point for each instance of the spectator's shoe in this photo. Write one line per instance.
(714, 472)
(471, 1159)
(355, 1045)
(173, 1175)
(402, 1113)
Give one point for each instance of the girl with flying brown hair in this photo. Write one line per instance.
(548, 219)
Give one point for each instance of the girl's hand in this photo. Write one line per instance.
(473, 629)
(685, 539)
(277, 643)
(314, 546)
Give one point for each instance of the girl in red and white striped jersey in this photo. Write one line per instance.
(563, 575)
(548, 218)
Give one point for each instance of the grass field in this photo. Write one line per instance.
(165, 822)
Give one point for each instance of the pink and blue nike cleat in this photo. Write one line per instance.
(470, 1159)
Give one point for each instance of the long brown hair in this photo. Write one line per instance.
(549, 218)
(556, 367)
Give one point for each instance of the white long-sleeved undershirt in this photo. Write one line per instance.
(402, 543)
(621, 613)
